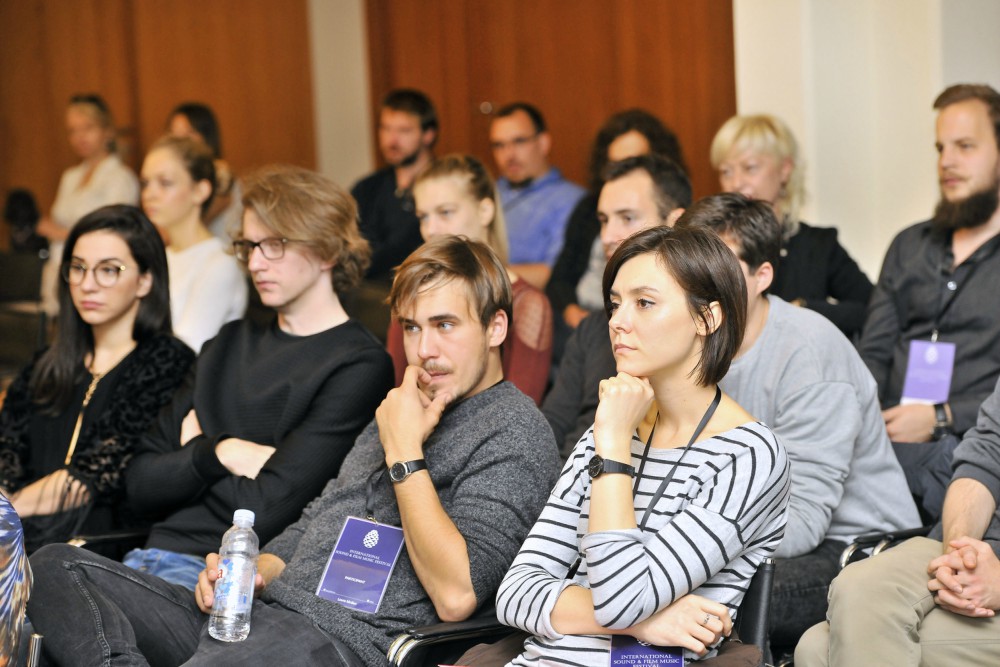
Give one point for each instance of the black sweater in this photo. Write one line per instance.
(308, 396)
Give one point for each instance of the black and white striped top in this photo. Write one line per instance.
(719, 517)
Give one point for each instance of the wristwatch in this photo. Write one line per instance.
(400, 470)
(599, 465)
(942, 425)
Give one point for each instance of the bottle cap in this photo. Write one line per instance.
(243, 516)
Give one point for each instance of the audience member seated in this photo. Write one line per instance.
(100, 179)
(20, 212)
(15, 583)
(455, 466)
(799, 375)
(931, 335)
(537, 200)
(757, 156)
(207, 286)
(670, 502)
(407, 132)
(197, 121)
(638, 193)
(455, 195)
(72, 419)
(574, 288)
(929, 601)
(272, 410)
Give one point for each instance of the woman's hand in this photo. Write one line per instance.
(692, 622)
(624, 401)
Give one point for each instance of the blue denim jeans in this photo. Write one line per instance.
(95, 611)
(171, 566)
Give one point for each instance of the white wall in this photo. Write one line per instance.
(855, 80)
(341, 88)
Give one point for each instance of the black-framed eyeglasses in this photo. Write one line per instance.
(272, 247)
(105, 273)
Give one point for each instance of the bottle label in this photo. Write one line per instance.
(362, 561)
(234, 587)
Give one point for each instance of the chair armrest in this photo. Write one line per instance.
(878, 542)
(407, 647)
(124, 538)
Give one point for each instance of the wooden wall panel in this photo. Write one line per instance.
(579, 61)
(248, 59)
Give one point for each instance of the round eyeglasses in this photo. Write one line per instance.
(272, 247)
(105, 273)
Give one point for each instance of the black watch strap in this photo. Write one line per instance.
(599, 466)
(400, 470)
(942, 425)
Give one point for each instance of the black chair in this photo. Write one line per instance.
(877, 543)
(22, 320)
(443, 643)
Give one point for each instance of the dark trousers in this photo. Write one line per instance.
(95, 611)
(927, 466)
(798, 600)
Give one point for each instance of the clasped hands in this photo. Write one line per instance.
(966, 580)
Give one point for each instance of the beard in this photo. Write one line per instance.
(409, 159)
(973, 211)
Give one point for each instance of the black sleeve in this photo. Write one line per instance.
(848, 284)
(581, 230)
(882, 328)
(14, 419)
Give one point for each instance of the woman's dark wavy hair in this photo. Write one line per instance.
(707, 271)
(662, 141)
(202, 119)
(61, 367)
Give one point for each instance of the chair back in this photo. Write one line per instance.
(20, 276)
(752, 620)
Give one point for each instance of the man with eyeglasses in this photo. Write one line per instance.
(271, 410)
(537, 200)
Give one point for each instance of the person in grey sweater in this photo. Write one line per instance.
(459, 459)
(798, 374)
(928, 589)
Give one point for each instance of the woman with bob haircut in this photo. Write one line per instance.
(100, 179)
(207, 287)
(455, 195)
(669, 503)
(758, 157)
(72, 419)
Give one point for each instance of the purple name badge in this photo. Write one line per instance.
(928, 372)
(361, 563)
(630, 652)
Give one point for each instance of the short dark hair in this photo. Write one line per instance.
(414, 102)
(708, 272)
(961, 92)
(661, 139)
(203, 120)
(671, 186)
(537, 119)
(454, 258)
(59, 368)
(751, 223)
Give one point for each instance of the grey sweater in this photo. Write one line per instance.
(493, 460)
(805, 380)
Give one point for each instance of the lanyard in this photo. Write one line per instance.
(666, 480)
(373, 479)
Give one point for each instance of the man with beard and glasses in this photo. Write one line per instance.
(537, 200)
(930, 338)
(407, 131)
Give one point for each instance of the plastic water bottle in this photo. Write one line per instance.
(230, 620)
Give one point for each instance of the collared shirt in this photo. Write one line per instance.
(911, 300)
(536, 216)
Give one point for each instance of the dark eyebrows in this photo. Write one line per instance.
(81, 260)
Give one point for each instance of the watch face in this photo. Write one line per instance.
(398, 471)
(596, 465)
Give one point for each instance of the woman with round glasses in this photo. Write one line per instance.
(669, 503)
(207, 287)
(71, 419)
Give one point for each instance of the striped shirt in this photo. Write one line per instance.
(722, 512)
